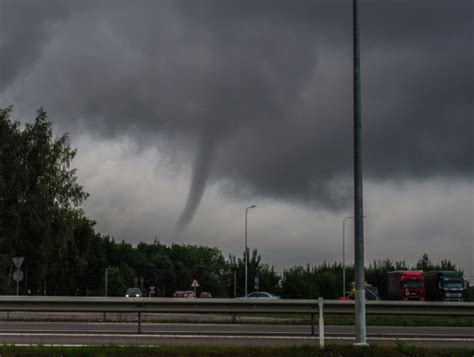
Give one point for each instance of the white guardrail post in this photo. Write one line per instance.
(321, 322)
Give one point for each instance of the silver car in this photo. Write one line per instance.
(261, 295)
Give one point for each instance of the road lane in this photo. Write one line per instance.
(228, 329)
(227, 340)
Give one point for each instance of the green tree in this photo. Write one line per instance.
(424, 263)
(11, 190)
(269, 280)
(40, 199)
(117, 285)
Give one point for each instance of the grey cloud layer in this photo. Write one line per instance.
(25, 27)
(260, 90)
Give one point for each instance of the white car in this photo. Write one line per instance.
(261, 295)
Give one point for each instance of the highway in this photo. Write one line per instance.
(81, 333)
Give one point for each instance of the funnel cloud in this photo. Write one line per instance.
(201, 169)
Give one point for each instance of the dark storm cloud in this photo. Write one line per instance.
(263, 88)
(25, 26)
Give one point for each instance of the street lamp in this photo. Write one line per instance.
(344, 255)
(246, 254)
(359, 274)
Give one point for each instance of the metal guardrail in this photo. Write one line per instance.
(230, 306)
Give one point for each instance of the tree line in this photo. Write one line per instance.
(41, 220)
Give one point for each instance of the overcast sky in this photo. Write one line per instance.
(186, 112)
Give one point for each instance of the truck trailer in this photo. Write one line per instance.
(444, 286)
(406, 285)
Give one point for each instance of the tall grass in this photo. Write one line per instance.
(400, 349)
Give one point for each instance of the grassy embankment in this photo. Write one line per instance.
(402, 349)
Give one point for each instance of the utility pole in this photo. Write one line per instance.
(344, 255)
(360, 326)
(235, 283)
(246, 248)
(106, 281)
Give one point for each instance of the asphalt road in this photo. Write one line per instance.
(80, 333)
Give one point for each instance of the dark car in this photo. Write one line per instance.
(133, 292)
(205, 295)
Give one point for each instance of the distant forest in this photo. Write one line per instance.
(41, 220)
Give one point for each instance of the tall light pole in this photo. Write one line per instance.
(344, 255)
(360, 327)
(246, 254)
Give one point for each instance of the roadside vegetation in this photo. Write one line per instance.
(400, 349)
(41, 220)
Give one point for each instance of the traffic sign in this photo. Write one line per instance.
(195, 284)
(18, 261)
(18, 275)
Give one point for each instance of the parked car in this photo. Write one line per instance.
(260, 295)
(133, 292)
(191, 294)
(205, 295)
(345, 298)
(184, 294)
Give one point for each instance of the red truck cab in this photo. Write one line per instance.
(406, 285)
